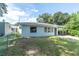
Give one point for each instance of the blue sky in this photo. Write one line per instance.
(30, 11)
(49, 7)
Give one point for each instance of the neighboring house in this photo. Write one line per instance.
(15, 29)
(5, 28)
(31, 29)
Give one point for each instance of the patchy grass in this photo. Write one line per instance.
(44, 46)
(4, 44)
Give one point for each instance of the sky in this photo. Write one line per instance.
(28, 12)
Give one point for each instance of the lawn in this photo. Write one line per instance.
(44, 46)
(4, 43)
(38, 46)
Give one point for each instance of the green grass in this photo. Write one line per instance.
(3, 42)
(54, 46)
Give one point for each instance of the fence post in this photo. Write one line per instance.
(7, 44)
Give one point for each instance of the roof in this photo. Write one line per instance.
(5, 23)
(37, 24)
(14, 26)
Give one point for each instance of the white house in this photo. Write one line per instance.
(32, 29)
(15, 29)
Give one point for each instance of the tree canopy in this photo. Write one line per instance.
(3, 9)
(58, 18)
(73, 25)
(45, 18)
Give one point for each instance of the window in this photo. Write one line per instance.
(45, 29)
(48, 29)
(12, 29)
(33, 29)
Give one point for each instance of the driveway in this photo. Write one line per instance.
(72, 38)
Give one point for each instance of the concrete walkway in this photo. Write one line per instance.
(72, 38)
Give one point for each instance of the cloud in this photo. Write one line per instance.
(34, 10)
(16, 13)
(33, 19)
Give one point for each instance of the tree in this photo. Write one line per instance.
(73, 25)
(3, 9)
(45, 18)
(60, 18)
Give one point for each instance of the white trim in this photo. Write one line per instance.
(38, 24)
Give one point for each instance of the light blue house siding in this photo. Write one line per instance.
(40, 32)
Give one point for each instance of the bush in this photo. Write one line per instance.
(16, 35)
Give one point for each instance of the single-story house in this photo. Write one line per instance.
(33, 29)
